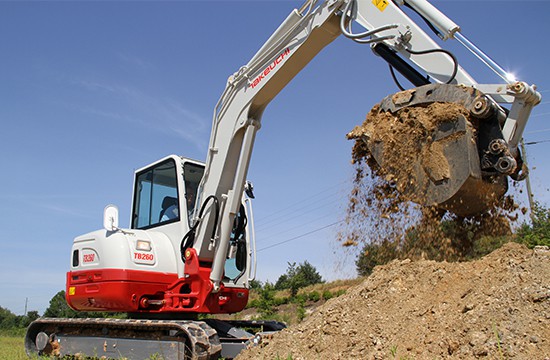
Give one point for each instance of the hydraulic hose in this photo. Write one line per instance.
(189, 238)
(450, 54)
(350, 7)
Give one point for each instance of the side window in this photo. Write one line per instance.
(156, 196)
(235, 264)
(192, 174)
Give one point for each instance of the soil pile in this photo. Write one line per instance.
(497, 307)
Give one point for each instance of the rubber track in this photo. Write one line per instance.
(203, 341)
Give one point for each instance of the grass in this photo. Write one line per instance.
(495, 332)
(289, 357)
(12, 348)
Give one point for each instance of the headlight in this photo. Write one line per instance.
(143, 245)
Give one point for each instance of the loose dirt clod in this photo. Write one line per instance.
(396, 157)
(408, 155)
(497, 307)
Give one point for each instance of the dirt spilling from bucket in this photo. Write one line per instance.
(406, 137)
(383, 206)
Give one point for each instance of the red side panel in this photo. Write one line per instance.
(122, 290)
(113, 289)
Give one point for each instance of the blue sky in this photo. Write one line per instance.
(91, 91)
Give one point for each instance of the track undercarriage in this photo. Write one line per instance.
(144, 339)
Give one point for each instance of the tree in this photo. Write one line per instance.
(8, 320)
(266, 302)
(33, 315)
(255, 284)
(538, 232)
(374, 254)
(297, 277)
(59, 308)
(25, 320)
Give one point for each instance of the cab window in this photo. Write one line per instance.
(156, 196)
(192, 174)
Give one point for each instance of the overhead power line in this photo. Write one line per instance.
(541, 114)
(536, 142)
(300, 236)
(301, 224)
(285, 211)
(298, 213)
(537, 131)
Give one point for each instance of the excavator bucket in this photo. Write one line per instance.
(439, 145)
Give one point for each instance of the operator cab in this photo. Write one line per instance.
(160, 199)
(164, 200)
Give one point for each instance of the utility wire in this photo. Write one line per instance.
(301, 225)
(290, 216)
(543, 114)
(536, 142)
(300, 236)
(300, 202)
(537, 131)
(305, 203)
(293, 212)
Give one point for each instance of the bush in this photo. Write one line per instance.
(255, 284)
(300, 312)
(327, 295)
(297, 277)
(374, 254)
(253, 303)
(340, 292)
(538, 232)
(266, 302)
(300, 299)
(314, 296)
(278, 301)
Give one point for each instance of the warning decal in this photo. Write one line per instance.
(380, 4)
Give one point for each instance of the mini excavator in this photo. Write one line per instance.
(190, 248)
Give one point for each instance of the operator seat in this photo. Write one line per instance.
(167, 203)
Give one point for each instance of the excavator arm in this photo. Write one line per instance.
(409, 50)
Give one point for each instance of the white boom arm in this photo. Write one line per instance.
(292, 46)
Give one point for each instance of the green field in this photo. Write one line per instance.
(12, 348)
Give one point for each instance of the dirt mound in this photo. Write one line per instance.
(497, 307)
